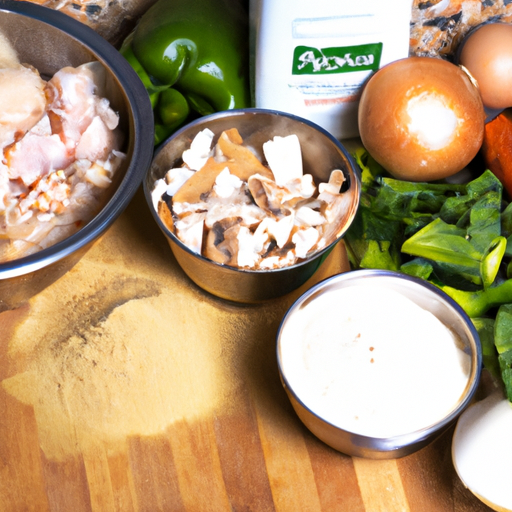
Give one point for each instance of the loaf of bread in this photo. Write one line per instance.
(438, 26)
(112, 19)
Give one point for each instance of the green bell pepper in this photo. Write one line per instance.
(192, 56)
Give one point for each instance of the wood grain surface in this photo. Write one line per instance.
(126, 388)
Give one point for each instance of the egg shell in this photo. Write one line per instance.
(487, 55)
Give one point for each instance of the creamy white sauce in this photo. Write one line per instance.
(371, 361)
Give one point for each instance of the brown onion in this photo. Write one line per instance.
(421, 118)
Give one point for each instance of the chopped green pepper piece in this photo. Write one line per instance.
(492, 259)
(478, 303)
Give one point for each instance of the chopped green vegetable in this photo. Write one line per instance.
(503, 331)
(418, 267)
(495, 339)
(503, 344)
(506, 372)
(446, 244)
(455, 227)
(485, 329)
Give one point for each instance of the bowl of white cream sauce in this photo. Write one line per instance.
(377, 363)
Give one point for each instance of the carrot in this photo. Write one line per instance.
(497, 148)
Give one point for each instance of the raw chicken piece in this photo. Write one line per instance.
(35, 156)
(71, 104)
(22, 102)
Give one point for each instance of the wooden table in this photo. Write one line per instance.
(126, 388)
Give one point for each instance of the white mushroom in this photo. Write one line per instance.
(226, 184)
(275, 198)
(307, 216)
(278, 229)
(251, 246)
(305, 240)
(189, 230)
(284, 158)
(333, 186)
(337, 204)
(176, 178)
(278, 261)
(222, 241)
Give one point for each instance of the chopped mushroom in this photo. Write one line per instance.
(251, 245)
(284, 157)
(333, 186)
(200, 150)
(335, 202)
(175, 178)
(308, 216)
(304, 240)
(236, 211)
(279, 229)
(190, 230)
(270, 196)
(222, 241)
(227, 184)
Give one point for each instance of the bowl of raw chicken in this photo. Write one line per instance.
(252, 201)
(76, 130)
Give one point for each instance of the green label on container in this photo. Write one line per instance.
(343, 59)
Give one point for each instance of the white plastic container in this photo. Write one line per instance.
(311, 58)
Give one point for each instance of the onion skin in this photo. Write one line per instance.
(481, 450)
(386, 126)
(487, 55)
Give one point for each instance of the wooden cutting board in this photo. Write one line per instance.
(126, 388)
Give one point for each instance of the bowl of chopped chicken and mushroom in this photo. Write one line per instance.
(76, 131)
(252, 200)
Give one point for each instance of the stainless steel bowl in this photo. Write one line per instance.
(321, 153)
(426, 296)
(50, 40)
